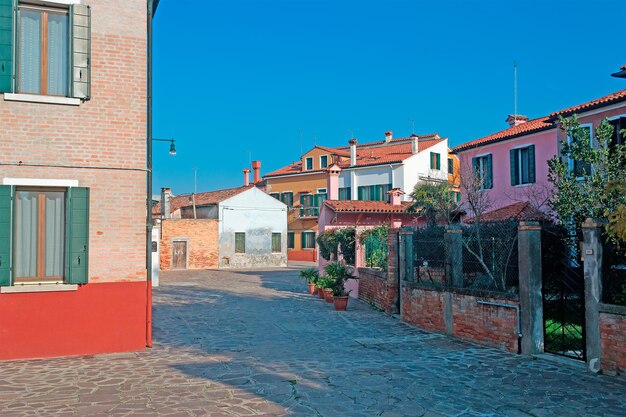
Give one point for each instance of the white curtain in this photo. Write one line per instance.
(26, 234)
(57, 54)
(30, 56)
(55, 233)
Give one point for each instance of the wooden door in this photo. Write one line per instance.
(179, 258)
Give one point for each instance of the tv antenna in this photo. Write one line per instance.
(514, 90)
(412, 120)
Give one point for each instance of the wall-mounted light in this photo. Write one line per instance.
(172, 146)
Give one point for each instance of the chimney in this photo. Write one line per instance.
(414, 144)
(352, 143)
(256, 166)
(333, 182)
(166, 195)
(396, 196)
(388, 136)
(246, 177)
(516, 120)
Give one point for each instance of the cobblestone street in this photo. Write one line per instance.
(255, 343)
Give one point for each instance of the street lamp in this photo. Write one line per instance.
(172, 146)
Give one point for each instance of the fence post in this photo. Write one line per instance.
(393, 285)
(530, 287)
(592, 257)
(454, 255)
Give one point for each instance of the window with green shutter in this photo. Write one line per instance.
(522, 164)
(45, 50)
(308, 240)
(275, 195)
(276, 242)
(291, 240)
(435, 161)
(345, 193)
(44, 235)
(450, 166)
(287, 198)
(240, 242)
(482, 168)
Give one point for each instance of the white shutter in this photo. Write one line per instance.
(80, 43)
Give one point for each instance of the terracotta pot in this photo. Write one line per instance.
(341, 303)
(328, 295)
(312, 289)
(320, 293)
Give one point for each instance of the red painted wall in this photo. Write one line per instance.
(309, 255)
(97, 318)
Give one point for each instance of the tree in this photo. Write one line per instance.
(434, 200)
(588, 177)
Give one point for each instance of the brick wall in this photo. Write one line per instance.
(613, 342)
(375, 289)
(107, 131)
(460, 315)
(202, 242)
(423, 308)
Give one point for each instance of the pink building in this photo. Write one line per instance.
(511, 165)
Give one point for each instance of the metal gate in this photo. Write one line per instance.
(563, 296)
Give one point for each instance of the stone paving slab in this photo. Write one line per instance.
(250, 343)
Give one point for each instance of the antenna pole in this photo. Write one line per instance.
(195, 180)
(515, 90)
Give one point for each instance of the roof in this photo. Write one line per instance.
(616, 97)
(522, 211)
(359, 206)
(202, 199)
(368, 154)
(531, 126)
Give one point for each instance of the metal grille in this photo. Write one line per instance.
(614, 274)
(430, 256)
(376, 252)
(490, 256)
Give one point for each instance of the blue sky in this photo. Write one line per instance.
(239, 79)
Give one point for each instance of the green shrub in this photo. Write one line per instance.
(311, 275)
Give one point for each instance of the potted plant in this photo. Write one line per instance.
(325, 291)
(311, 275)
(338, 273)
(320, 285)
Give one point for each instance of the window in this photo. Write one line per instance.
(309, 163)
(276, 243)
(455, 196)
(482, 168)
(581, 168)
(618, 124)
(374, 192)
(324, 161)
(47, 47)
(450, 165)
(308, 240)
(344, 193)
(47, 230)
(240, 242)
(275, 195)
(311, 204)
(291, 244)
(287, 198)
(435, 161)
(522, 162)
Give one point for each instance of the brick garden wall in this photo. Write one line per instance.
(613, 340)
(423, 308)
(375, 289)
(202, 242)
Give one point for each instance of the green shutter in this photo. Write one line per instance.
(80, 51)
(438, 157)
(475, 167)
(240, 242)
(360, 193)
(432, 161)
(531, 164)
(7, 37)
(489, 173)
(6, 194)
(276, 242)
(450, 166)
(77, 235)
(302, 240)
(513, 162)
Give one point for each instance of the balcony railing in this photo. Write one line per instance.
(309, 211)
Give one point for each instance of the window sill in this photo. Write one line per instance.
(18, 289)
(34, 98)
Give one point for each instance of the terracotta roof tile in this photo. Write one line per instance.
(531, 126)
(371, 153)
(599, 102)
(358, 206)
(522, 211)
(202, 199)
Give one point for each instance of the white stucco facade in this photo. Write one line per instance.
(258, 216)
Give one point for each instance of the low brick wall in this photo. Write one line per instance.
(376, 290)
(423, 308)
(461, 315)
(613, 339)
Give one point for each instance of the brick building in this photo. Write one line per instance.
(73, 172)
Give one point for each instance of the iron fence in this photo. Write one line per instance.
(490, 256)
(376, 252)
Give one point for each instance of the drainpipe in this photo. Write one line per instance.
(149, 181)
(519, 324)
